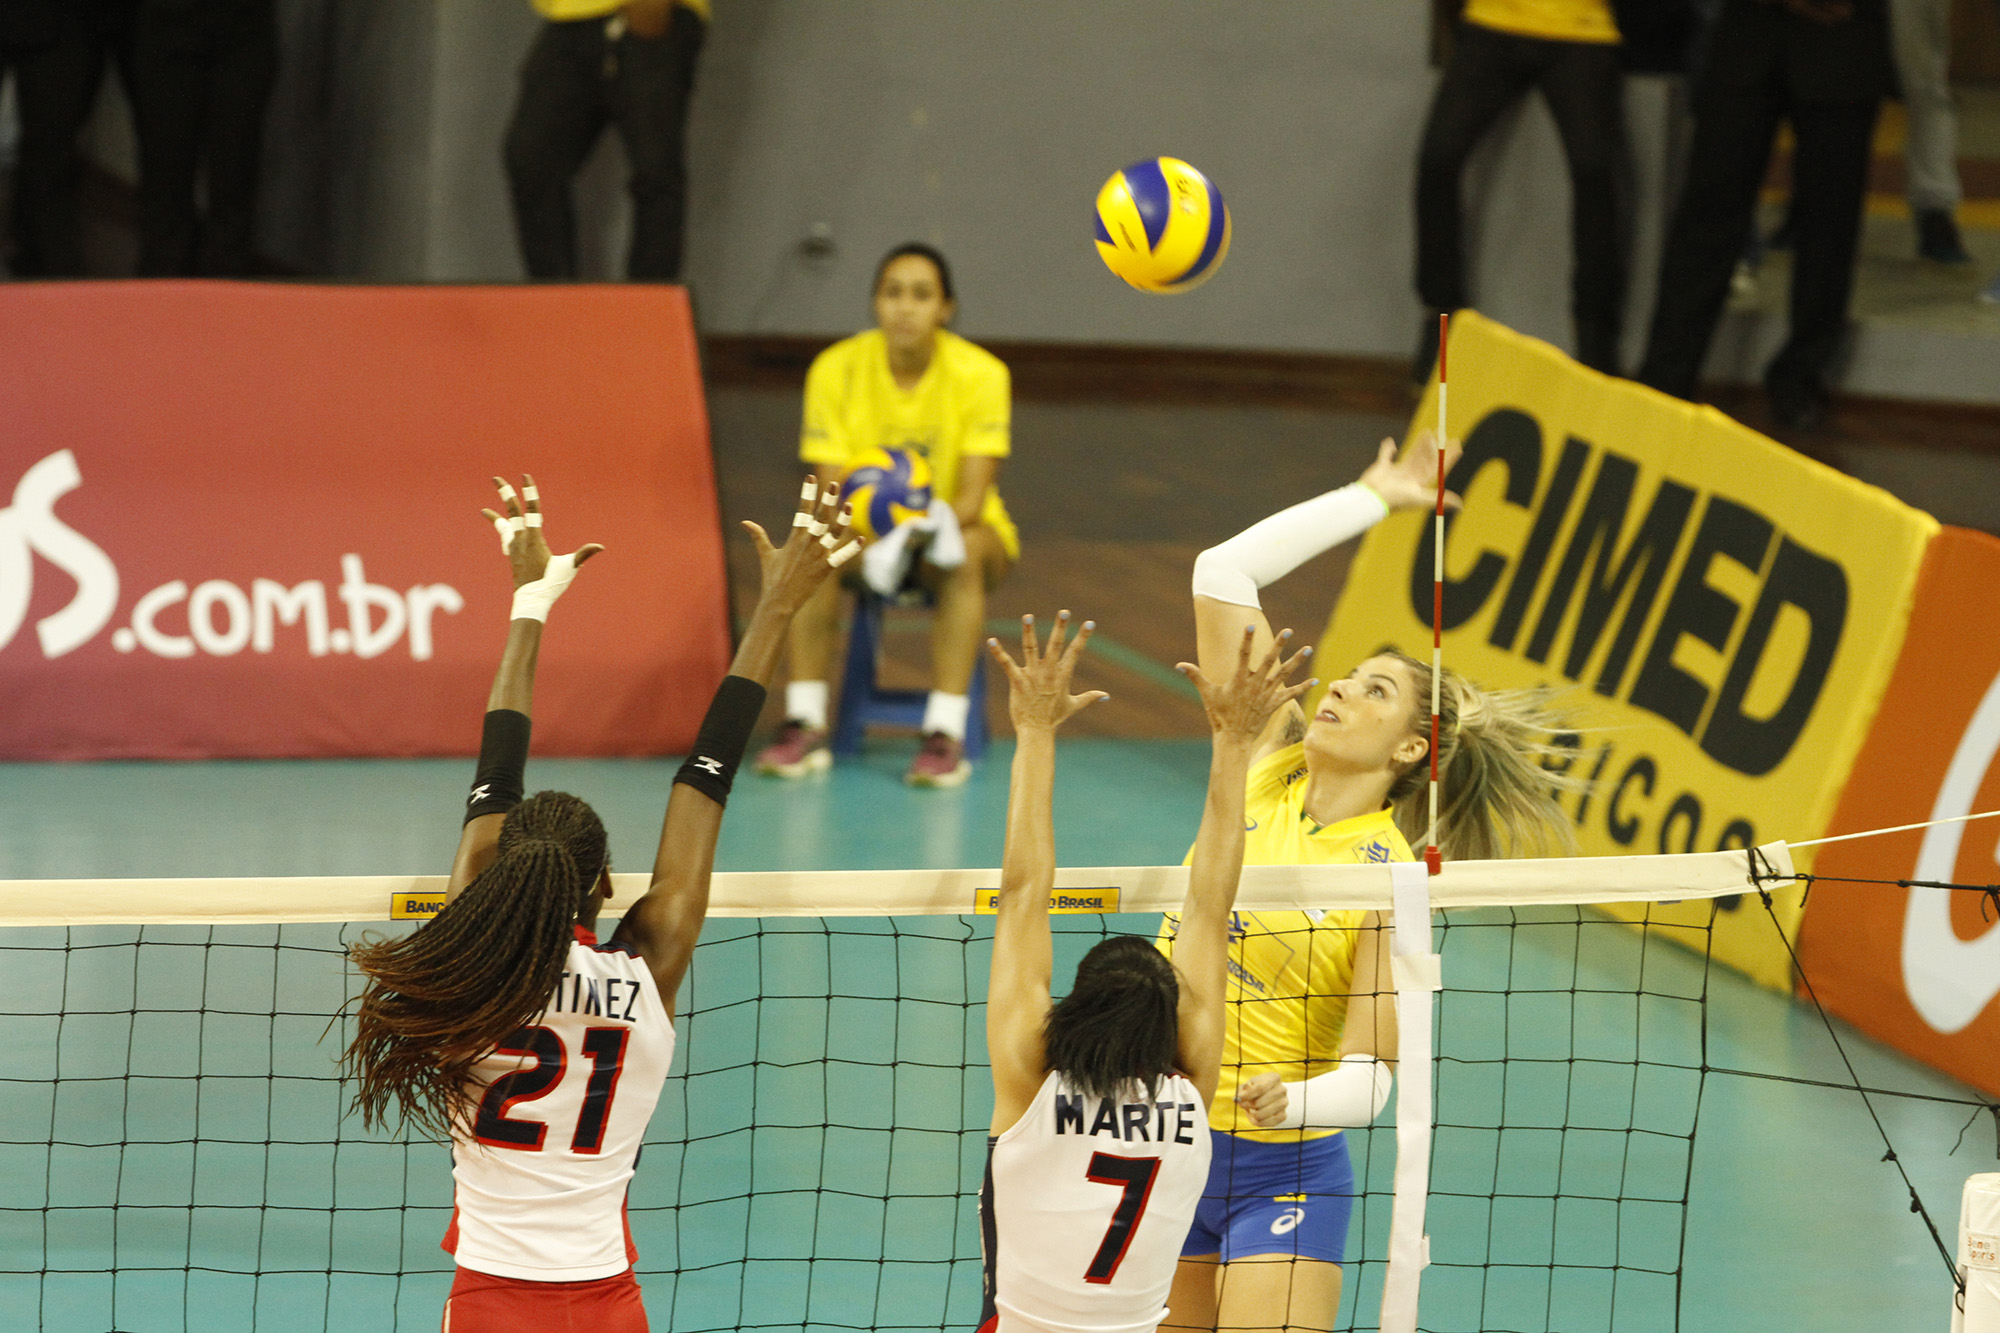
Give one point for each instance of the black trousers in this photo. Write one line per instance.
(1733, 133)
(202, 72)
(57, 71)
(576, 81)
(1489, 72)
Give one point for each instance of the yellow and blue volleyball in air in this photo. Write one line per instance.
(1162, 225)
(887, 487)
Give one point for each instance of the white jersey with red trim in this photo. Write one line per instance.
(1086, 1205)
(563, 1105)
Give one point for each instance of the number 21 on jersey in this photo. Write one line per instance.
(603, 1047)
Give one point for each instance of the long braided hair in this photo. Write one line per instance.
(438, 999)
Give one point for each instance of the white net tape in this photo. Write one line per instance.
(864, 893)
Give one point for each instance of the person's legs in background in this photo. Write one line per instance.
(958, 628)
(1921, 33)
(560, 110)
(800, 748)
(56, 76)
(1487, 73)
(1584, 86)
(171, 54)
(1733, 130)
(1991, 293)
(650, 102)
(242, 72)
(1829, 186)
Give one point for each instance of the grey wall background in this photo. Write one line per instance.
(984, 126)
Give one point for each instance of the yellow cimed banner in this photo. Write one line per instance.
(1722, 613)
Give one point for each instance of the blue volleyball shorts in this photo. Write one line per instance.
(1291, 1199)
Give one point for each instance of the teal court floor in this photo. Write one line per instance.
(173, 1154)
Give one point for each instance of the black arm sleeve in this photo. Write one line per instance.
(725, 734)
(497, 784)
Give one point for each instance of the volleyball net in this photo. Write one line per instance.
(176, 1150)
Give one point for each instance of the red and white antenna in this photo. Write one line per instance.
(1432, 857)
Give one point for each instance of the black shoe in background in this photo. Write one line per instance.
(1796, 404)
(1781, 239)
(1938, 239)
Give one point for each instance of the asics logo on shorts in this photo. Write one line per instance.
(1287, 1220)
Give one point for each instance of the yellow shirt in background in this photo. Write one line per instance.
(961, 408)
(1289, 972)
(563, 11)
(1551, 20)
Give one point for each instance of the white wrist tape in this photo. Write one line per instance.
(1348, 1096)
(533, 600)
(1266, 551)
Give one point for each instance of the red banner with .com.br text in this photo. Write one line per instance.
(242, 520)
(1920, 968)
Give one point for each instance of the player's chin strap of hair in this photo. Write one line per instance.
(725, 733)
(1348, 1096)
(1268, 550)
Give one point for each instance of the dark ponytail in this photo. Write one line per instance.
(1120, 1024)
(438, 999)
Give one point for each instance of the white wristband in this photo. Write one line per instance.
(1348, 1096)
(533, 600)
(1266, 551)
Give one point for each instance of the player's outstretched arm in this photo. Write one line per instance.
(1227, 577)
(1239, 706)
(1371, 997)
(1017, 988)
(664, 924)
(539, 579)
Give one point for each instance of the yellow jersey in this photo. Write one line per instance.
(1289, 972)
(565, 11)
(1551, 20)
(961, 408)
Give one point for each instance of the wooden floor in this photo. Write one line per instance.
(1128, 463)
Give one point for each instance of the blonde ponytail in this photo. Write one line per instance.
(1497, 795)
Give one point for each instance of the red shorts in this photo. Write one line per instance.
(485, 1303)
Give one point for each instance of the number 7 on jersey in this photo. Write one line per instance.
(1135, 1176)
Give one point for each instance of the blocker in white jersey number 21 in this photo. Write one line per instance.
(604, 1047)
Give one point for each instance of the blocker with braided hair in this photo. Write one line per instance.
(440, 998)
(503, 1024)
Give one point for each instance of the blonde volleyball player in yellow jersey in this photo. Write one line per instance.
(909, 383)
(1311, 1034)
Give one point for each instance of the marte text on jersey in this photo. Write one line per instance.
(1129, 1122)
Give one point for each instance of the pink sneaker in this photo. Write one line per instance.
(940, 763)
(800, 751)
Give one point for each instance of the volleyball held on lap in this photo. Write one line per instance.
(887, 487)
(1162, 225)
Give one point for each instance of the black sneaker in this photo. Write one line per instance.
(1796, 404)
(1938, 239)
